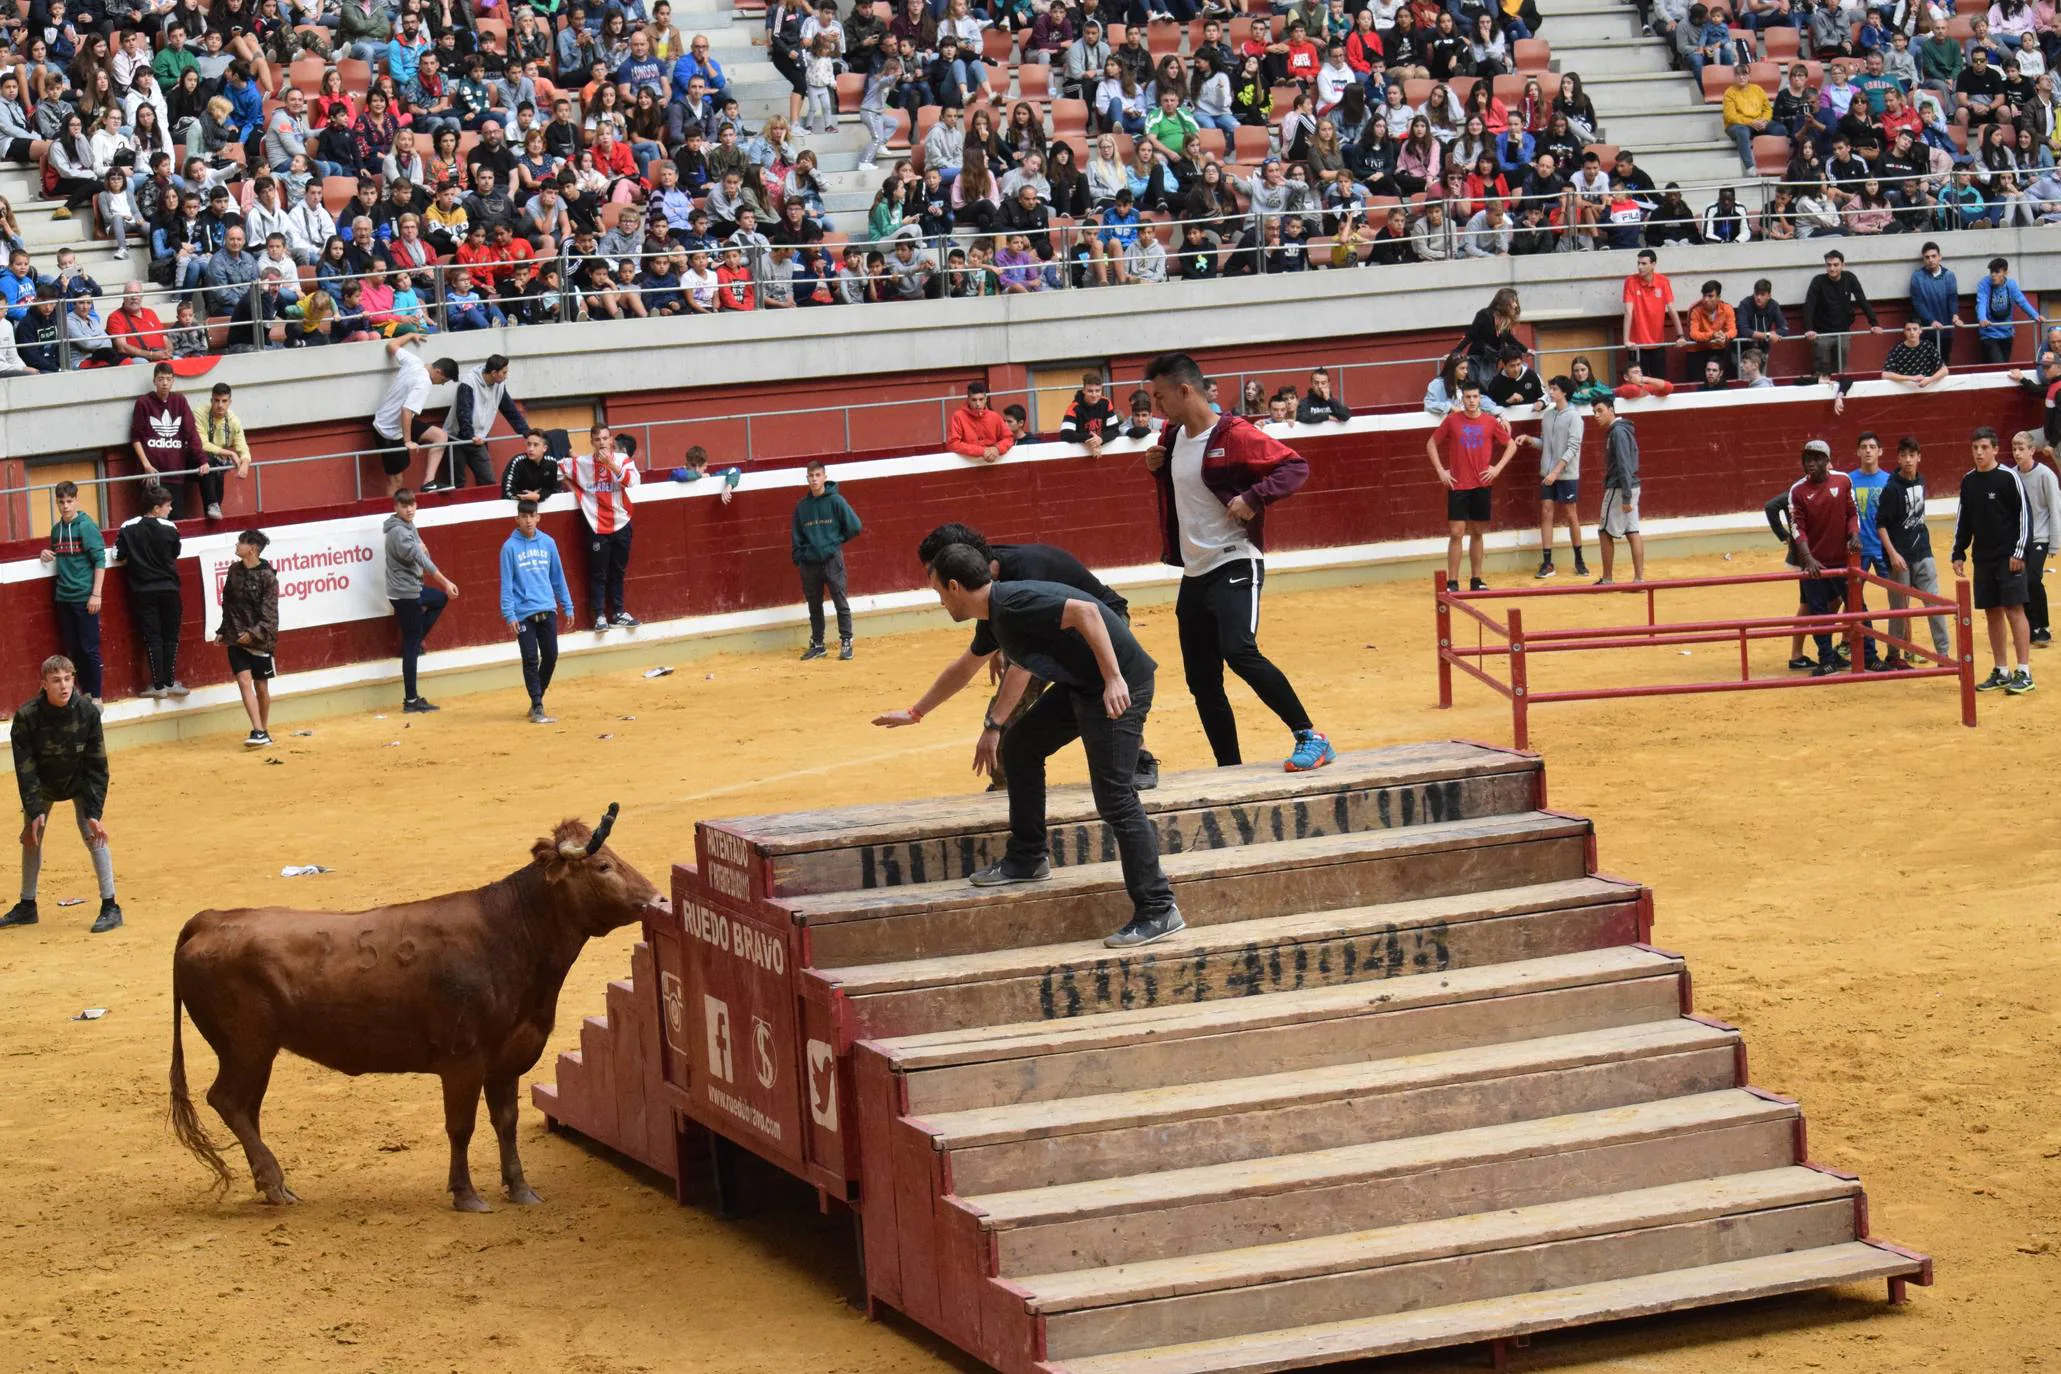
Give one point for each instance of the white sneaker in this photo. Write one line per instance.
(869, 166)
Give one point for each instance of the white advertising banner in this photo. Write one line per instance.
(328, 574)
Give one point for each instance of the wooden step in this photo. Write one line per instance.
(862, 847)
(1358, 1187)
(1212, 886)
(1084, 1290)
(1046, 1144)
(1505, 1317)
(992, 1066)
(1521, 1265)
(1241, 958)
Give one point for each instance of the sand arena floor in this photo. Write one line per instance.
(1866, 887)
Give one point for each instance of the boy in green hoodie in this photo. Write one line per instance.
(823, 523)
(79, 554)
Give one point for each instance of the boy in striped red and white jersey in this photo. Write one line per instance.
(606, 483)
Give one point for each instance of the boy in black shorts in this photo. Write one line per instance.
(250, 631)
(1462, 451)
(1994, 523)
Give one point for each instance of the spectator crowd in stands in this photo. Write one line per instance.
(312, 172)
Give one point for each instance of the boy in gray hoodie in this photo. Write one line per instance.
(823, 523)
(416, 606)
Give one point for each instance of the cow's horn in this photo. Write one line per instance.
(601, 830)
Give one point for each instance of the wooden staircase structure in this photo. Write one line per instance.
(1413, 1076)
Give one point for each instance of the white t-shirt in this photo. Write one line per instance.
(1210, 536)
(408, 390)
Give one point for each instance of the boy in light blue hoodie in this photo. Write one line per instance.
(532, 589)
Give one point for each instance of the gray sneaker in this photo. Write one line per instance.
(537, 717)
(178, 689)
(999, 874)
(1144, 930)
(2020, 683)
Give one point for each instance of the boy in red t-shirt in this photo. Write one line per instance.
(1463, 450)
(1303, 57)
(734, 289)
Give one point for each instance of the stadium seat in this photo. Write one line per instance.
(1070, 117)
(1782, 44)
(1716, 81)
(1251, 144)
(496, 26)
(1767, 76)
(1510, 89)
(356, 74)
(1771, 154)
(306, 73)
(1212, 141)
(851, 89)
(1163, 40)
(996, 45)
(337, 193)
(1034, 81)
(998, 80)
(1240, 30)
(1745, 36)
(1961, 27)
(1532, 54)
(1114, 35)
(1284, 98)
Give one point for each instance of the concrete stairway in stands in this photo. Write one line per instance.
(1411, 1078)
(1642, 101)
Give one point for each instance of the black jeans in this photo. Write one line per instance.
(1218, 617)
(608, 558)
(537, 637)
(1995, 351)
(1943, 340)
(1824, 596)
(417, 616)
(1062, 715)
(816, 578)
(471, 457)
(2035, 588)
(1651, 360)
(79, 632)
(157, 621)
(207, 486)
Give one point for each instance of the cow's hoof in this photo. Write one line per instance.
(469, 1202)
(522, 1195)
(280, 1196)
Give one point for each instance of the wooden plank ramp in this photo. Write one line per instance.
(1412, 1077)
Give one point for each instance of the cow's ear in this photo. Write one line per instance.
(556, 868)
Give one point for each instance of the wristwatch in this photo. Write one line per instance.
(988, 723)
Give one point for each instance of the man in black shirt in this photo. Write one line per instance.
(1010, 563)
(1915, 361)
(1515, 386)
(1900, 522)
(1829, 305)
(148, 547)
(1995, 522)
(1101, 691)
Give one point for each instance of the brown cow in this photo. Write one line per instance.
(464, 986)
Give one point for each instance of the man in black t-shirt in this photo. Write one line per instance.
(1101, 690)
(1915, 361)
(1900, 522)
(1009, 563)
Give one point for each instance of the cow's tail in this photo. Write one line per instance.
(185, 1121)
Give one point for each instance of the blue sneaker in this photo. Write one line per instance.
(1312, 750)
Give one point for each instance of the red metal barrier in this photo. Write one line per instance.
(1518, 645)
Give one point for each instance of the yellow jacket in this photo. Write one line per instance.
(1747, 104)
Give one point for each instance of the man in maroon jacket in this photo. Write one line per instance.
(1826, 526)
(166, 438)
(1215, 477)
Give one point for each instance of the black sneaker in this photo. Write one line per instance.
(256, 739)
(1581, 569)
(600, 624)
(435, 486)
(844, 650)
(2043, 637)
(813, 651)
(2021, 682)
(1146, 776)
(22, 913)
(1801, 664)
(419, 706)
(1828, 668)
(999, 874)
(623, 620)
(1451, 585)
(1144, 930)
(1997, 678)
(1477, 585)
(110, 917)
(1546, 570)
(1876, 665)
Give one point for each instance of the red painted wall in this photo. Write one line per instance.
(701, 557)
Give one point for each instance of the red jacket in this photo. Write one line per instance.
(970, 435)
(1239, 460)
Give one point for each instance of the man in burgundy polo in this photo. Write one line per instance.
(1825, 527)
